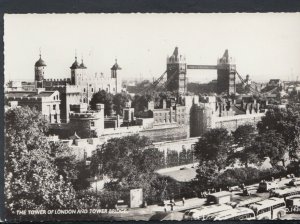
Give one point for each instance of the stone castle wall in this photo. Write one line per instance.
(231, 123)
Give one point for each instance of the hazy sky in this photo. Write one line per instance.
(263, 45)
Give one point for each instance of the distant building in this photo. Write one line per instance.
(275, 83)
(45, 101)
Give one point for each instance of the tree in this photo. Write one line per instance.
(128, 160)
(244, 137)
(104, 98)
(270, 144)
(130, 163)
(215, 145)
(238, 176)
(119, 101)
(287, 123)
(32, 179)
(183, 157)
(81, 182)
(207, 171)
(140, 102)
(64, 160)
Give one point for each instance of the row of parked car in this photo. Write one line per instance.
(281, 202)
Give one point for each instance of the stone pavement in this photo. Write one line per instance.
(147, 213)
(188, 204)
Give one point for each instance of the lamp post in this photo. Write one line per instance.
(96, 178)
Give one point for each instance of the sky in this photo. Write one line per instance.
(263, 45)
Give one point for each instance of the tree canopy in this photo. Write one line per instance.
(244, 138)
(105, 98)
(215, 145)
(34, 177)
(285, 122)
(119, 102)
(130, 163)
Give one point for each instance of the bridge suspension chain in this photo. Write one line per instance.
(157, 81)
(252, 89)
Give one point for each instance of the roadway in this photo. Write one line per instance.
(153, 212)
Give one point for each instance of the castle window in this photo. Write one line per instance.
(92, 89)
(84, 100)
(92, 124)
(54, 107)
(83, 89)
(54, 97)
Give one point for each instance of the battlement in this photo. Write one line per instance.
(176, 60)
(85, 115)
(37, 99)
(58, 80)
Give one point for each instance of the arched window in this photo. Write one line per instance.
(83, 89)
(92, 89)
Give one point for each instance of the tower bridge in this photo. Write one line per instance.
(177, 69)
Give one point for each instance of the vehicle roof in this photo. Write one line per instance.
(249, 201)
(296, 197)
(287, 190)
(267, 202)
(268, 182)
(232, 212)
(211, 208)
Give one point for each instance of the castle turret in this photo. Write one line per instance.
(115, 76)
(226, 75)
(78, 73)
(176, 73)
(39, 72)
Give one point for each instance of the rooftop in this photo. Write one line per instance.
(29, 94)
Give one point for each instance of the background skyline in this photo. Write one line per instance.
(263, 45)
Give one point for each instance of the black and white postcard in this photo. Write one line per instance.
(149, 116)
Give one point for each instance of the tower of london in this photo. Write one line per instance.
(80, 87)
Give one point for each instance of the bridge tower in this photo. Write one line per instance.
(176, 73)
(226, 70)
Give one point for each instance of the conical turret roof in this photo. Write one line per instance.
(40, 62)
(75, 65)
